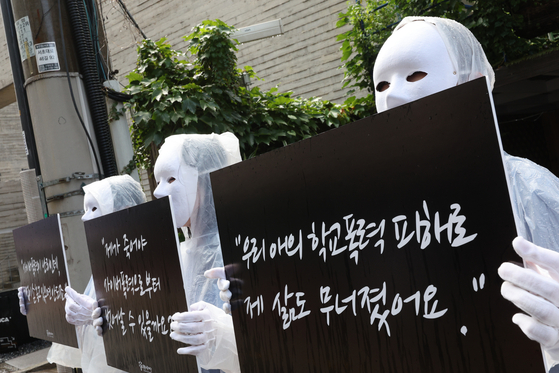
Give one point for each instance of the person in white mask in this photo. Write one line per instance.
(182, 170)
(426, 55)
(101, 197)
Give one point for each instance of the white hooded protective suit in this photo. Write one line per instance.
(201, 250)
(535, 190)
(111, 194)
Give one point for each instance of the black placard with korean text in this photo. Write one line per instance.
(374, 247)
(42, 267)
(138, 283)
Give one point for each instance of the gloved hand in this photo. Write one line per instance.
(223, 286)
(22, 300)
(196, 328)
(535, 290)
(79, 308)
(98, 321)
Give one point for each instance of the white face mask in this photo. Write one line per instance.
(91, 207)
(178, 181)
(412, 64)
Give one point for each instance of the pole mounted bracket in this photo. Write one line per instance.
(67, 214)
(57, 197)
(67, 179)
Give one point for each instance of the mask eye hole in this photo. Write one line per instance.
(382, 86)
(416, 76)
(171, 180)
(93, 208)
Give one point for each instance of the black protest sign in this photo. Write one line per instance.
(42, 268)
(374, 247)
(138, 283)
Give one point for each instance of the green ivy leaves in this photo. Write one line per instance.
(200, 92)
(494, 23)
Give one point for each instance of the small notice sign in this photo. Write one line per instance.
(47, 57)
(42, 267)
(24, 38)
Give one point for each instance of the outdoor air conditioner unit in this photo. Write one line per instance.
(259, 31)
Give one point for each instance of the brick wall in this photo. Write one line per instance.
(304, 59)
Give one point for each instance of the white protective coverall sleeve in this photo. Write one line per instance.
(202, 250)
(535, 195)
(535, 198)
(222, 350)
(64, 355)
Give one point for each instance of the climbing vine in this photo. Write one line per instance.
(200, 91)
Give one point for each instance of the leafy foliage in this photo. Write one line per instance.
(370, 27)
(172, 95)
(494, 23)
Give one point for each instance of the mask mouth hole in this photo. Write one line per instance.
(416, 76)
(382, 86)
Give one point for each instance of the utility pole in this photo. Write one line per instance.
(73, 145)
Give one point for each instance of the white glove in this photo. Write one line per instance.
(98, 321)
(535, 290)
(196, 328)
(22, 300)
(79, 307)
(223, 286)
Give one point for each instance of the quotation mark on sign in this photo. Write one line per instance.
(238, 240)
(477, 284)
(481, 282)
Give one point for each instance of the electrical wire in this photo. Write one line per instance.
(92, 22)
(72, 91)
(111, 6)
(131, 18)
(41, 23)
(115, 95)
(107, 63)
(99, 55)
